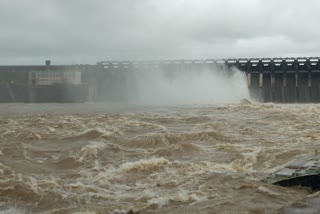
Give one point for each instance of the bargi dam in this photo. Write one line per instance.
(279, 80)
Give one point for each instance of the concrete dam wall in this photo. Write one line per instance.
(15, 85)
(280, 80)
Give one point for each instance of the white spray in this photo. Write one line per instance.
(158, 87)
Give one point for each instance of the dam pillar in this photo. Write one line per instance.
(266, 86)
(249, 80)
(284, 79)
(290, 81)
(289, 87)
(255, 89)
(315, 86)
(284, 86)
(272, 80)
(260, 79)
(277, 87)
(309, 79)
(314, 79)
(255, 72)
(302, 80)
(277, 81)
(303, 87)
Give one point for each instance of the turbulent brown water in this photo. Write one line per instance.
(94, 158)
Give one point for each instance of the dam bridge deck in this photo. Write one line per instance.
(246, 65)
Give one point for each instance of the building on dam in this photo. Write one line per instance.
(42, 84)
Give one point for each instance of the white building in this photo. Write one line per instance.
(52, 77)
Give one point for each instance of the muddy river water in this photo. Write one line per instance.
(101, 158)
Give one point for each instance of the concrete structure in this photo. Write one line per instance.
(281, 80)
(43, 83)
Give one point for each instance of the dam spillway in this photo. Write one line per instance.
(279, 80)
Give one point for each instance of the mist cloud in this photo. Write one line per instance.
(196, 86)
(74, 31)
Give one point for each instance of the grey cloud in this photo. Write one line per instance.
(75, 31)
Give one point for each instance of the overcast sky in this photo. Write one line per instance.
(88, 31)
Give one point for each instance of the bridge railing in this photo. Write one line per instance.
(247, 65)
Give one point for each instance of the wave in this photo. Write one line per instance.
(91, 134)
(176, 151)
(181, 196)
(91, 150)
(144, 165)
(165, 140)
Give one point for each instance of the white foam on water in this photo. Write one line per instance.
(181, 196)
(91, 150)
(268, 191)
(6, 209)
(12, 210)
(144, 165)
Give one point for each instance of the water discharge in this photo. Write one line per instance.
(97, 158)
(217, 85)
